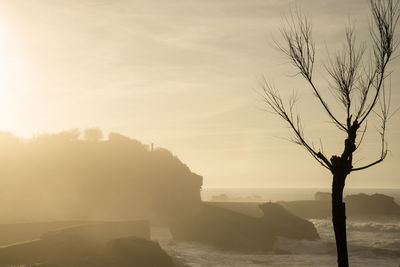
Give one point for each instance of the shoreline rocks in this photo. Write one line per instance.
(227, 229)
(357, 206)
(95, 245)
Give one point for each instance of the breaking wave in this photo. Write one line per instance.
(373, 227)
(370, 244)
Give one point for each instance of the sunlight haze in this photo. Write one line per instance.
(183, 75)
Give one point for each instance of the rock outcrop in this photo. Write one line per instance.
(73, 178)
(134, 251)
(224, 229)
(19, 232)
(309, 209)
(227, 229)
(97, 245)
(123, 252)
(323, 196)
(101, 232)
(22, 232)
(361, 205)
(283, 223)
(371, 205)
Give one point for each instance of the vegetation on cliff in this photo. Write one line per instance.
(74, 177)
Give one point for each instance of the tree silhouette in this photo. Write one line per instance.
(358, 85)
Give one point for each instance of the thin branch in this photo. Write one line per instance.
(345, 71)
(362, 135)
(385, 15)
(384, 101)
(299, 47)
(273, 99)
(367, 166)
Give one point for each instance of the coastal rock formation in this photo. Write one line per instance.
(372, 205)
(21, 232)
(134, 251)
(224, 229)
(310, 209)
(361, 205)
(283, 223)
(247, 208)
(88, 178)
(323, 196)
(227, 229)
(97, 245)
(126, 252)
(101, 232)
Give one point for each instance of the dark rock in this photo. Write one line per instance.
(95, 245)
(308, 209)
(20, 232)
(93, 180)
(224, 229)
(371, 205)
(323, 196)
(361, 205)
(102, 232)
(67, 252)
(123, 252)
(283, 223)
(247, 208)
(133, 251)
(227, 229)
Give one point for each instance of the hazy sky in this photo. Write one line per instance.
(182, 75)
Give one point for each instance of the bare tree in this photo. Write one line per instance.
(357, 82)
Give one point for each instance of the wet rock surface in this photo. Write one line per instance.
(360, 205)
(102, 245)
(227, 229)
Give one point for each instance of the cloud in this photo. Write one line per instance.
(171, 71)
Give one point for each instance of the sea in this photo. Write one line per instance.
(373, 242)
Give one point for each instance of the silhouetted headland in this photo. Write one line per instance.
(87, 178)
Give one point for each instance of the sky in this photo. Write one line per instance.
(184, 75)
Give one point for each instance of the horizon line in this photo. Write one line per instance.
(246, 187)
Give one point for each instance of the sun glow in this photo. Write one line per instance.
(2, 65)
(4, 73)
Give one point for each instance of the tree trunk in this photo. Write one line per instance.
(339, 219)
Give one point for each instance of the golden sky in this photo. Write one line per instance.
(183, 75)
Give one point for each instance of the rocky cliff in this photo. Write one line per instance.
(67, 177)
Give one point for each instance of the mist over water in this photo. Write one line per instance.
(371, 242)
(137, 181)
(382, 251)
(188, 83)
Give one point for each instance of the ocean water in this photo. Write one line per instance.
(371, 243)
(286, 194)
